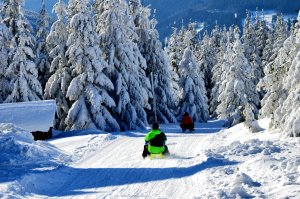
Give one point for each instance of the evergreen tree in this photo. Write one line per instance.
(42, 50)
(194, 100)
(176, 45)
(10, 11)
(131, 92)
(73, 8)
(172, 52)
(250, 49)
(22, 70)
(87, 91)
(136, 11)
(276, 72)
(184, 40)
(4, 41)
(56, 87)
(219, 69)
(238, 99)
(288, 117)
(193, 38)
(261, 35)
(207, 59)
(158, 66)
(279, 38)
(267, 51)
(287, 64)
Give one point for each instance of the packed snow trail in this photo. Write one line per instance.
(117, 169)
(209, 163)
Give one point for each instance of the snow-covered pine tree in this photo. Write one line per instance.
(172, 52)
(183, 41)
(4, 42)
(250, 49)
(284, 68)
(216, 37)
(11, 13)
(286, 116)
(278, 40)
(158, 66)
(117, 34)
(136, 11)
(208, 58)
(219, 69)
(176, 45)
(73, 8)
(22, 70)
(56, 87)
(276, 73)
(43, 61)
(194, 38)
(288, 119)
(91, 103)
(194, 100)
(237, 89)
(261, 34)
(267, 51)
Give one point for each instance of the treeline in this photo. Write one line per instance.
(248, 74)
(99, 59)
(96, 62)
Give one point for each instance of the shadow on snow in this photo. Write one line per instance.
(212, 126)
(93, 178)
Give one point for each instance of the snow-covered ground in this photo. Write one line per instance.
(209, 163)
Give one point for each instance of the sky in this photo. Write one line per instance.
(36, 5)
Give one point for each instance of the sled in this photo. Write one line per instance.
(156, 155)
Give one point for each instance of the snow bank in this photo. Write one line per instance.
(31, 116)
(250, 147)
(268, 164)
(17, 147)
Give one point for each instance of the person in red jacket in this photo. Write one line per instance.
(187, 123)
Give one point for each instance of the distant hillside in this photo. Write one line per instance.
(210, 11)
(207, 11)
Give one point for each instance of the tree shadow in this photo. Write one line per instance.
(9, 173)
(211, 126)
(105, 177)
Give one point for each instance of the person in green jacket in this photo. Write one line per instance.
(155, 142)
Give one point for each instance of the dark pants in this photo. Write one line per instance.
(146, 152)
(187, 126)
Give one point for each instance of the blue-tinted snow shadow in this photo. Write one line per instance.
(212, 126)
(94, 178)
(10, 173)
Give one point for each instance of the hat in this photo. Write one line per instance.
(155, 126)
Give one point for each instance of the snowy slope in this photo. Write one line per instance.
(210, 163)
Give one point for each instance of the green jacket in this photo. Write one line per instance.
(156, 141)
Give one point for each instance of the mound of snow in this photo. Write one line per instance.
(17, 147)
(250, 147)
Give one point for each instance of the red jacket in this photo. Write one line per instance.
(187, 120)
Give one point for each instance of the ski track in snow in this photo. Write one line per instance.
(106, 167)
(208, 163)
